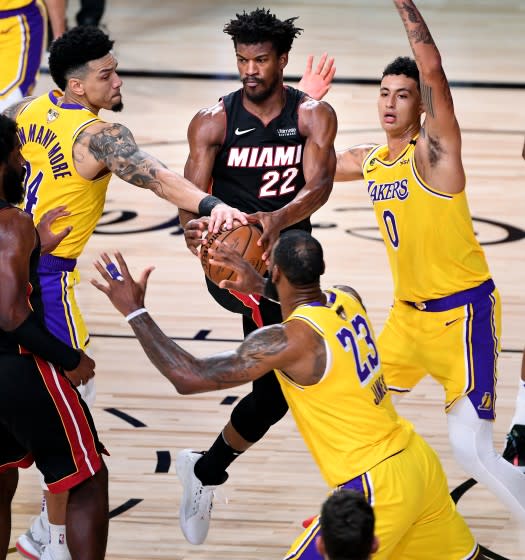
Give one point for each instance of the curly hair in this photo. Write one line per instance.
(260, 26)
(7, 137)
(72, 51)
(403, 65)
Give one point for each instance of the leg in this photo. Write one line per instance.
(471, 440)
(64, 319)
(87, 517)
(91, 12)
(251, 418)
(8, 484)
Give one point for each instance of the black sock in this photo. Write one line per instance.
(210, 469)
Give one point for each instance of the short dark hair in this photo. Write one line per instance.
(74, 49)
(347, 526)
(300, 257)
(260, 26)
(403, 65)
(7, 137)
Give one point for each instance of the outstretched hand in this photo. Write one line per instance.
(49, 241)
(123, 291)
(316, 84)
(246, 280)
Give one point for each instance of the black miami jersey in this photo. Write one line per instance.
(260, 168)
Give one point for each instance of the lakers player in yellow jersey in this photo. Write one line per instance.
(23, 30)
(446, 317)
(329, 368)
(70, 156)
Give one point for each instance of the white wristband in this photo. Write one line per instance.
(136, 313)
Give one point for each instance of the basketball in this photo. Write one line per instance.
(243, 239)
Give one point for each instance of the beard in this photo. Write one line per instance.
(13, 182)
(270, 290)
(263, 95)
(117, 107)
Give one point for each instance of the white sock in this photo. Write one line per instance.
(519, 412)
(57, 543)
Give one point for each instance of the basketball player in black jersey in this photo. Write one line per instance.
(268, 150)
(37, 373)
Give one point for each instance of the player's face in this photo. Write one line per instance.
(399, 103)
(102, 84)
(260, 70)
(13, 177)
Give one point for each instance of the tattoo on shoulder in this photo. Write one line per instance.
(267, 342)
(116, 147)
(12, 111)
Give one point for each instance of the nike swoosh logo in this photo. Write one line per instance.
(450, 322)
(241, 132)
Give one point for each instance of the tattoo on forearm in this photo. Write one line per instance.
(116, 147)
(217, 372)
(415, 26)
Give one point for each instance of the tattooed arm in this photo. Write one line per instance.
(112, 146)
(13, 110)
(292, 347)
(438, 154)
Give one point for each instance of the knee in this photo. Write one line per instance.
(253, 416)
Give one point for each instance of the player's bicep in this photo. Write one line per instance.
(319, 153)
(437, 103)
(115, 146)
(205, 135)
(17, 243)
(350, 163)
(262, 351)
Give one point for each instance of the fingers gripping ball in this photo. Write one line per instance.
(244, 240)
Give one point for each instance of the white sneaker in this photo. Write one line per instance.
(32, 542)
(197, 500)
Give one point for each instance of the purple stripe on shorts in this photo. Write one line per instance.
(35, 23)
(56, 311)
(484, 350)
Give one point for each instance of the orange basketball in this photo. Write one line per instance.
(244, 240)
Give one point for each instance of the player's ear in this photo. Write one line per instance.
(275, 273)
(283, 61)
(319, 545)
(375, 545)
(76, 86)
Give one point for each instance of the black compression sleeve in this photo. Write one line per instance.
(34, 336)
(207, 204)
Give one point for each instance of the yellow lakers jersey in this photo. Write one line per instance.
(7, 5)
(47, 132)
(428, 234)
(346, 419)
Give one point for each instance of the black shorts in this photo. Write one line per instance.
(43, 419)
(255, 309)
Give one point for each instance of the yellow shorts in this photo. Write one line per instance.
(22, 36)
(415, 515)
(458, 348)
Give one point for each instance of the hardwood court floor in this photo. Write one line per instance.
(275, 485)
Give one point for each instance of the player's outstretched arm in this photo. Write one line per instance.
(262, 351)
(435, 91)
(114, 147)
(350, 162)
